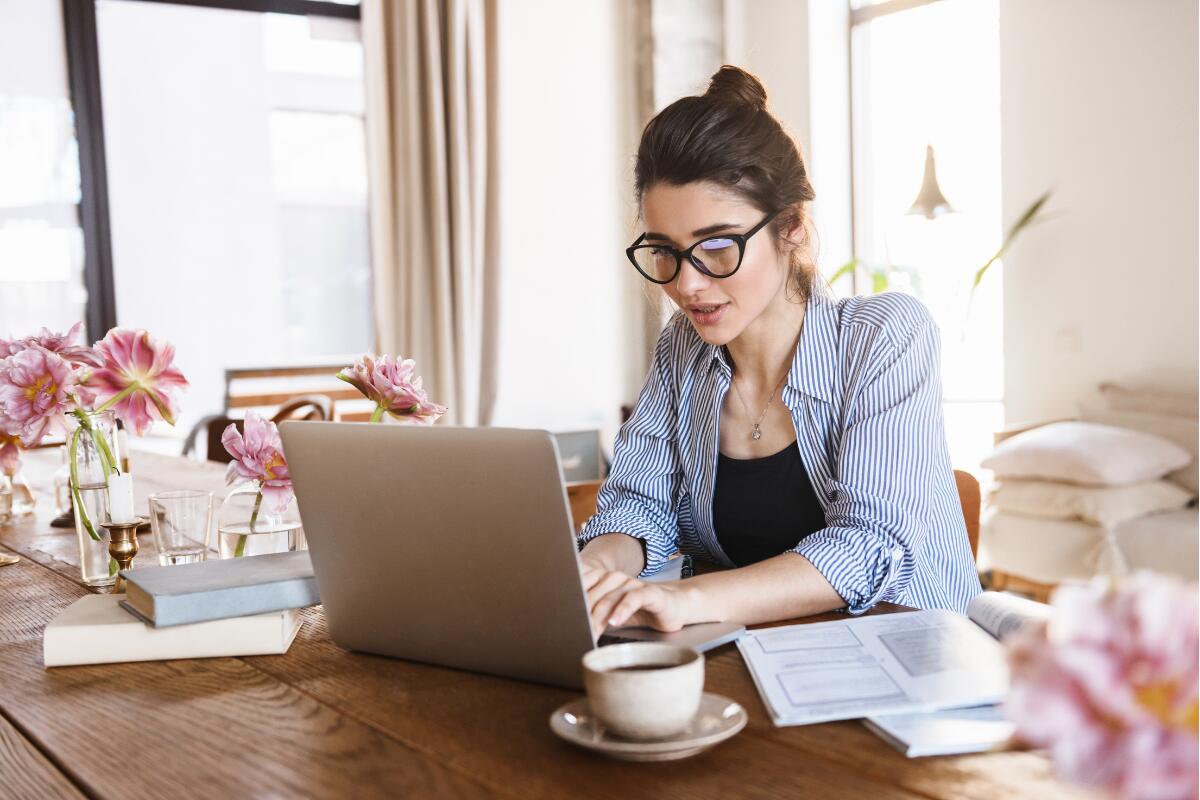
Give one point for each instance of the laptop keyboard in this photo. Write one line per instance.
(609, 638)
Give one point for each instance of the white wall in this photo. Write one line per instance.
(567, 140)
(1099, 103)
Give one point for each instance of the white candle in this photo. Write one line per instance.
(123, 448)
(120, 498)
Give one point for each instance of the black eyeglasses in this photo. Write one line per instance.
(719, 256)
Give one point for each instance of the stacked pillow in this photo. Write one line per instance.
(1095, 474)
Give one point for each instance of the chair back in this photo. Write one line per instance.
(969, 499)
(262, 388)
(212, 427)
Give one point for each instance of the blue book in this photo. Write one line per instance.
(221, 589)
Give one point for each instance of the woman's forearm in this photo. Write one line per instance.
(782, 587)
(616, 552)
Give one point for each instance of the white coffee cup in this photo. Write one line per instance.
(644, 690)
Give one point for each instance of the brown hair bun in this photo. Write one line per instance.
(735, 86)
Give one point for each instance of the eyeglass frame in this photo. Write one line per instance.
(740, 238)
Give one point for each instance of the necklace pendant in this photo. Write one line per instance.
(757, 434)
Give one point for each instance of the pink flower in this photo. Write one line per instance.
(38, 389)
(1110, 686)
(60, 343)
(258, 456)
(138, 379)
(390, 384)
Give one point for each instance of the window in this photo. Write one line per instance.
(237, 186)
(929, 77)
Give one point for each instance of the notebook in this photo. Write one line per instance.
(232, 587)
(96, 630)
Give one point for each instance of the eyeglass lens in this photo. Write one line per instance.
(718, 256)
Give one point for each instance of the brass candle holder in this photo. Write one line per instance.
(122, 546)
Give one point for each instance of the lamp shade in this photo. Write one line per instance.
(930, 202)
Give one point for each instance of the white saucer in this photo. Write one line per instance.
(718, 719)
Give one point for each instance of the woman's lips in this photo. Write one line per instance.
(707, 314)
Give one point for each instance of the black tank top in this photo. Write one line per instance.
(764, 506)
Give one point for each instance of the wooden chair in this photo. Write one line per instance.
(582, 497)
(265, 387)
(315, 407)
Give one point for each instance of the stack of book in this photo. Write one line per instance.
(233, 607)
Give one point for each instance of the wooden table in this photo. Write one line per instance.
(323, 722)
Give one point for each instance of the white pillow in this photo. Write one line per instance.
(1180, 430)
(1107, 506)
(1087, 454)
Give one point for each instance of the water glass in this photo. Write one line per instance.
(181, 522)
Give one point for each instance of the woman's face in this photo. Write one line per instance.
(719, 308)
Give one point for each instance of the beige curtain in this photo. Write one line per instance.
(430, 81)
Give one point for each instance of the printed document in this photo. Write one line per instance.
(863, 666)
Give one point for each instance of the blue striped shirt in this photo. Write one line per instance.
(864, 391)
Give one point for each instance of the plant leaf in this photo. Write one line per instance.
(1026, 218)
(844, 270)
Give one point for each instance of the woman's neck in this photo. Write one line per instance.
(762, 354)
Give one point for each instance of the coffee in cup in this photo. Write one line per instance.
(644, 690)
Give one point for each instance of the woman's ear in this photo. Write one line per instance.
(792, 233)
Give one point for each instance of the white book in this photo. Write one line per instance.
(96, 630)
(942, 733)
(902, 663)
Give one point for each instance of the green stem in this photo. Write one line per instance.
(112, 401)
(240, 550)
(377, 414)
(76, 496)
(108, 462)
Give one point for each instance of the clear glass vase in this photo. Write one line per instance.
(6, 500)
(246, 525)
(24, 501)
(93, 456)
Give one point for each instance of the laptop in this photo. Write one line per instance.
(451, 546)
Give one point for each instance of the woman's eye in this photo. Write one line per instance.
(661, 252)
(716, 244)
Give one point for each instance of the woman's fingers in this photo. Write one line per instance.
(605, 596)
(591, 575)
(630, 603)
(603, 585)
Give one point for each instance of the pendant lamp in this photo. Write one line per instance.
(930, 202)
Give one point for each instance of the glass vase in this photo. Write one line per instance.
(246, 525)
(24, 501)
(6, 500)
(93, 456)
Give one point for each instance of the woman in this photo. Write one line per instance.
(793, 436)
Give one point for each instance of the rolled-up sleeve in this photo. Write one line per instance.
(892, 447)
(640, 496)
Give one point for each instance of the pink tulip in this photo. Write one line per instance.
(390, 384)
(139, 379)
(258, 456)
(38, 389)
(60, 343)
(1109, 685)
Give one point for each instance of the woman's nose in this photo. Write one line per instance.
(690, 279)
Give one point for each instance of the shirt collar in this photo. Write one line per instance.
(813, 369)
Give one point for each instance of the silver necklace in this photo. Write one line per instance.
(756, 431)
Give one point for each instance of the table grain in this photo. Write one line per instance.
(321, 721)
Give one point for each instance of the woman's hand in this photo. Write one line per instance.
(616, 599)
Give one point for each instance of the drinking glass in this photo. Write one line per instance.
(181, 522)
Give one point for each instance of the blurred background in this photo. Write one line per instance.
(275, 183)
